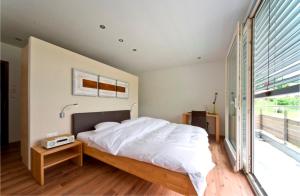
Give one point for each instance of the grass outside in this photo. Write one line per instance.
(277, 106)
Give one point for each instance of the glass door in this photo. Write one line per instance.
(246, 91)
(276, 97)
(232, 135)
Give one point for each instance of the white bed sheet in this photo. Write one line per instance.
(84, 136)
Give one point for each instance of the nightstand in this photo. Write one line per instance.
(42, 158)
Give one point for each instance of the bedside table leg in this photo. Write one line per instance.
(78, 160)
(37, 169)
(217, 129)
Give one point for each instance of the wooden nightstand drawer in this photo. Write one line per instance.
(42, 158)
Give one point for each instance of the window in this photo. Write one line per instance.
(276, 97)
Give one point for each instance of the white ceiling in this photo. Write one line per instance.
(165, 32)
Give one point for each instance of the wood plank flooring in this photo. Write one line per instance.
(97, 178)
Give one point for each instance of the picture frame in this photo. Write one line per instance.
(107, 87)
(84, 83)
(122, 89)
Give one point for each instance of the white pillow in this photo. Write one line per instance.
(125, 121)
(105, 125)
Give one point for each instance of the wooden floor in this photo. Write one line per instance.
(96, 178)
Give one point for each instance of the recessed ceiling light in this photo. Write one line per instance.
(134, 50)
(18, 39)
(120, 40)
(199, 57)
(102, 26)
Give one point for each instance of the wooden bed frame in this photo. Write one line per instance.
(175, 181)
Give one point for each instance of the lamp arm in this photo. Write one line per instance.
(131, 107)
(62, 112)
(215, 99)
(66, 107)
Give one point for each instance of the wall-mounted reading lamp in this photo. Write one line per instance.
(62, 113)
(131, 107)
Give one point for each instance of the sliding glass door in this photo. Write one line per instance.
(232, 132)
(262, 113)
(276, 96)
(246, 93)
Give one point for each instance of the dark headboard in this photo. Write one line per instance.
(82, 122)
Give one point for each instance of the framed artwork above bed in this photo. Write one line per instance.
(84, 83)
(89, 84)
(107, 87)
(122, 89)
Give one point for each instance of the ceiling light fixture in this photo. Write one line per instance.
(120, 40)
(134, 50)
(102, 26)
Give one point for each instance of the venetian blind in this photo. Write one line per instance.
(277, 45)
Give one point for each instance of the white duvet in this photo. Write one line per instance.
(177, 147)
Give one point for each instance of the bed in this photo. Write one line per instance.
(83, 126)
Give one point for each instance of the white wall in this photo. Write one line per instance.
(12, 54)
(50, 88)
(167, 93)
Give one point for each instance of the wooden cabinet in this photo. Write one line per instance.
(42, 158)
